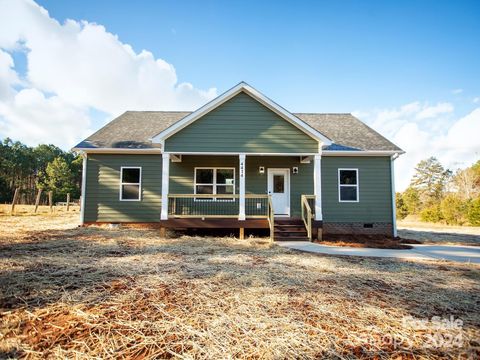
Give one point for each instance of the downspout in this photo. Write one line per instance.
(394, 206)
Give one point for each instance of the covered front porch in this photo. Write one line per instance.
(243, 191)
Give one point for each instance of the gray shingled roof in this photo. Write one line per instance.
(134, 129)
(347, 132)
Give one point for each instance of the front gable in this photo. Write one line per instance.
(242, 125)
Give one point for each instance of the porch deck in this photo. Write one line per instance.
(222, 211)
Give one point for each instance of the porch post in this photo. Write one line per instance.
(165, 181)
(241, 176)
(317, 184)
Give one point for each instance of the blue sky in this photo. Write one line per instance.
(409, 69)
(325, 56)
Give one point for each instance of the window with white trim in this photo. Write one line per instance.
(215, 181)
(130, 183)
(348, 185)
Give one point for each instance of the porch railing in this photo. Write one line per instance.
(307, 202)
(218, 206)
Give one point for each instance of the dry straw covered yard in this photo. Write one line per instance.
(69, 292)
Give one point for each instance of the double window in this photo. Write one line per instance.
(130, 183)
(215, 181)
(348, 185)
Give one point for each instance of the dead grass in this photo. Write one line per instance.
(43, 210)
(71, 292)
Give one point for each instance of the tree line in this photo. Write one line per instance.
(436, 194)
(45, 167)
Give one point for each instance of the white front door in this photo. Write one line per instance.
(279, 189)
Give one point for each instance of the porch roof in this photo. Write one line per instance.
(134, 130)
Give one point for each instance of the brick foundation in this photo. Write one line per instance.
(358, 228)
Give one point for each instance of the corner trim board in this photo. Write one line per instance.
(84, 187)
(394, 195)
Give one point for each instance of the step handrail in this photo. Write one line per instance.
(307, 216)
(271, 218)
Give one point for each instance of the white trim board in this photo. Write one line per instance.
(165, 186)
(287, 190)
(394, 194)
(241, 87)
(159, 151)
(356, 186)
(231, 153)
(117, 151)
(84, 188)
(120, 196)
(361, 152)
(317, 186)
(214, 184)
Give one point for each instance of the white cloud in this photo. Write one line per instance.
(433, 111)
(8, 76)
(464, 133)
(457, 91)
(36, 119)
(453, 140)
(83, 66)
(391, 120)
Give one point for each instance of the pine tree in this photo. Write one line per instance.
(402, 209)
(429, 180)
(411, 199)
(59, 178)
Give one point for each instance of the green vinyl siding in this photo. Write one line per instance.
(300, 184)
(182, 181)
(102, 201)
(241, 124)
(103, 185)
(375, 194)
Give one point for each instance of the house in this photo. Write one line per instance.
(240, 161)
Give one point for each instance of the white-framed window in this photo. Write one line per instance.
(348, 185)
(218, 180)
(130, 183)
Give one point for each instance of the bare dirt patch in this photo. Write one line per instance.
(368, 241)
(429, 233)
(71, 292)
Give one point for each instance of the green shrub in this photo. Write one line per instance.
(431, 214)
(411, 198)
(454, 210)
(473, 212)
(402, 210)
